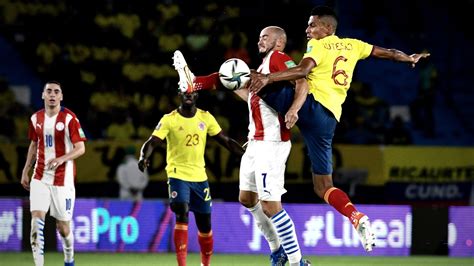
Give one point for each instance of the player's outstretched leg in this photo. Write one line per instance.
(186, 77)
(341, 202)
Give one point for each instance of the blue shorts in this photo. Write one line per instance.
(316, 123)
(196, 194)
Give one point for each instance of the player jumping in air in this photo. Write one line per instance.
(263, 165)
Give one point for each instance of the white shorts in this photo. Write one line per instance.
(59, 200)
(262, 169)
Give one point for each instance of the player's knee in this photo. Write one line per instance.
(63, 228)
(181, 210)
(248, 199)
(203, 222)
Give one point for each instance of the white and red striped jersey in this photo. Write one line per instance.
(265, 123)
(55, 137)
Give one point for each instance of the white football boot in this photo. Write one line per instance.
(362, 225)
(186, 77)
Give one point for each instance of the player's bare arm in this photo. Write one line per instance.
(243, 93)
(146, 151)
(232, 145)
(78, 150)
(397, 55)
(258, 80)
(30, 161)
(301, 92)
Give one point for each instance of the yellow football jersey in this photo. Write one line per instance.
(335, 60)
(186, 142)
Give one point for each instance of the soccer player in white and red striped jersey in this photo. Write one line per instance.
(263, 165)
(56, 140)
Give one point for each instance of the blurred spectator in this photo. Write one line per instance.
(198, 39)
(121, 128)
(373, 110)
(237, 49)
(360, 133)
(170, 39)
(7, 102)
(423, 105)
(131, 180)
(398, 133)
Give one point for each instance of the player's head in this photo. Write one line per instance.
(188, 99)
(52, 94)
(272, 38)
(322, 23)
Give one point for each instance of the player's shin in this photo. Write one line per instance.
(68, 248)
(37, 240)
(340, 201)
(206, 242)
(286, 232)
(265, 225)
(181, 242)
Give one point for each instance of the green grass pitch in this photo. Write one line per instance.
(168, 259)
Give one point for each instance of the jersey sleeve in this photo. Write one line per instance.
(314, 51)
(162, 129)
(364, 48)
(75, 131)
(280, 61)
(213, 128)
(32, 132)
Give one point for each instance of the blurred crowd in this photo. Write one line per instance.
(114, 61)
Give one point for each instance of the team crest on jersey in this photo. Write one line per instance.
(60, 126)
(174, 194)
(290, 64)
(81, 133)
(202, 126)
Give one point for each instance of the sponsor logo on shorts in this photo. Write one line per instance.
(174, 194)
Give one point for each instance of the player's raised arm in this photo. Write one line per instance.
(396, 55)
(258, 80)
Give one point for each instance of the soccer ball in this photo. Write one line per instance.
(234, 73)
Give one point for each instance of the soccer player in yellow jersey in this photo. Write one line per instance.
(185, 130)
(328, 66)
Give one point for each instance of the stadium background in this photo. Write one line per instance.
(406, 135)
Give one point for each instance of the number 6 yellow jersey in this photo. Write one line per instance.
(336, 59)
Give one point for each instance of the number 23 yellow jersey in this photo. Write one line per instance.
(186, 142)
